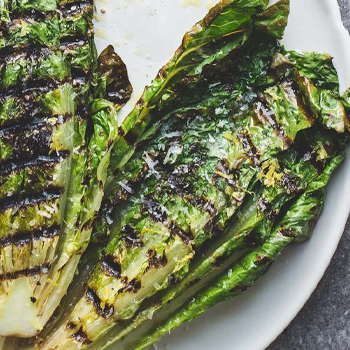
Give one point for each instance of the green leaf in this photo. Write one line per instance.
(274, 20)
(317, 67)
(114, 77)
(295, 225)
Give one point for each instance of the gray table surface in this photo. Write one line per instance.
(324, 322)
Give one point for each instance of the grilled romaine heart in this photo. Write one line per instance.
(55, 142)
(206, 135)
(210, 173)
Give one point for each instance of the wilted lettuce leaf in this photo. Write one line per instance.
(275, 19)
(226, 27)
(114, 77)
(318, 67)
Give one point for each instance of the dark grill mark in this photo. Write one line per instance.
(194, 147)
(27, 47)
(262, 260)
(292, 91)
(30, 113)
(253, 239)
(14, 57)
(25, 238)
(224, 168)
(270, 119)
(172, 279)
(88, 224)
(288, 232)
(29, 15)
(312, 158)
(44, 85)
(154, 210)
(71, 325)
(175, 230)
(67, 45)
(155, 260)
(75, 8)
(177, 184)
(92, 297)
(79, 78)
(130, 237)
(209, 207)
(32, 54)
(40, 163)
(29, 87)
(122, 194)
(65, 10)
(249, 148)
(29, 201)
(81, 337)
(27, 110)
(239, 289)
(29, 141)
(218, 261)
(132, 287)
(38, 270)
(213, 228)
(130, 137)
(110, 266)
(291, 184)
(267, 209)
(121, 132)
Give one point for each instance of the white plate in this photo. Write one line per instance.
(146, 33)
